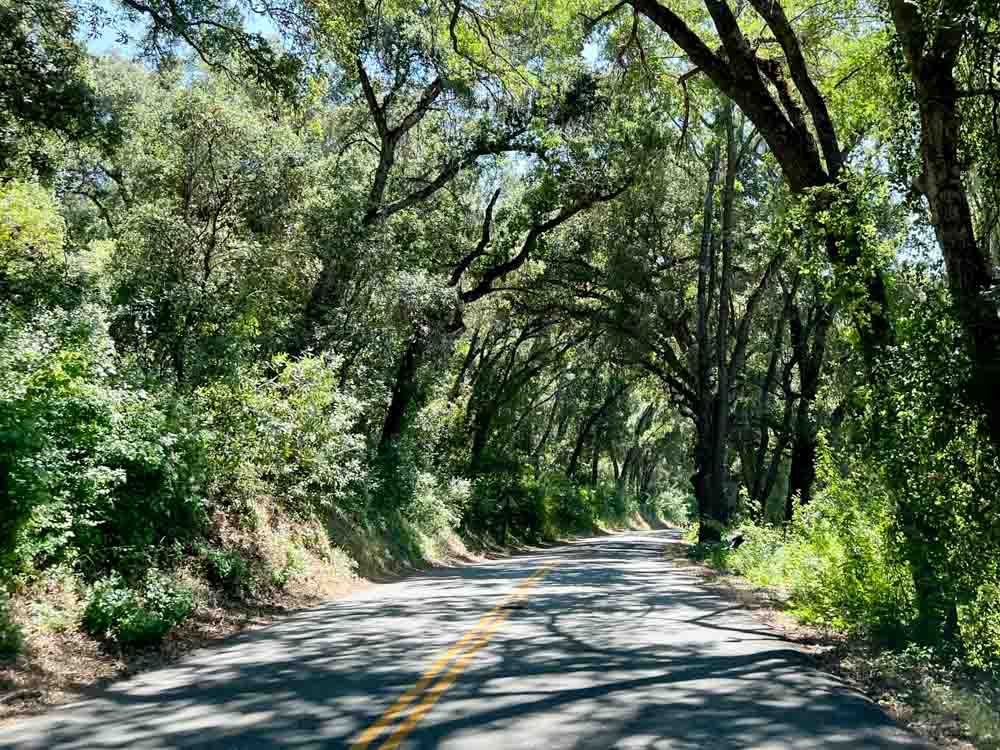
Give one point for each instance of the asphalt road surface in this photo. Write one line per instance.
(601, 643)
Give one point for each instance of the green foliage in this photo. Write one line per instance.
(201, 270)
(228, 570)
(31, 235)
(979, 627)
(942, 470)
(674, 504)
(96, 473)
(11, 638)
(503, 504)
(134, 618)
(209, 298)
(42, 89)
(287, 437)
(532, 509)
(837, 560)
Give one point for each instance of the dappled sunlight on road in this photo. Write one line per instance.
(614, 647)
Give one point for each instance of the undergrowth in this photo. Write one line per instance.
(841, 565)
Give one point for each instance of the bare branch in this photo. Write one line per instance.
(484, 242)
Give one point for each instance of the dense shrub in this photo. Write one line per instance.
(31, 247)
(227, 570)
(503, 504)
(437, 503)
(136, 617)
(533, 508)
(287, 436)
(979, 627)
(943, 473)
(11, 638)
(674, 504)
(97, 472)
(837, 559)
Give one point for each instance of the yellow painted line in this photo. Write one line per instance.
(490, 621)
(432, 696)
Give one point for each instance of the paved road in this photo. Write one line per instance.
(597, 644)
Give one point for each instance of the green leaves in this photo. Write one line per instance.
(134, 617)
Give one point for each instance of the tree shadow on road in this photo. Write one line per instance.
(615, 648)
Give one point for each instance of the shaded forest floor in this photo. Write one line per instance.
(942, 703)
(59, 663)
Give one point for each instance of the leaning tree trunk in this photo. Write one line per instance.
(932, 60)
(405, 392)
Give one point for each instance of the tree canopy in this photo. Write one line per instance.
(419, 268)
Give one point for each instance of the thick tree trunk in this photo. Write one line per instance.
(481, 436)
(751, 82)
(720, 423)
(969, 272)
(932, 59)
(802, 472)
(709, 529)
(405, 392)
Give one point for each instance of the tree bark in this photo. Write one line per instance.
(405, 391)
(802, 471)
(742, 76)
(931, 62)
(720, 459)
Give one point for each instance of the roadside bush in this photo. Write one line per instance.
(288, 437)
(942, 469)
(227, 570)
(437, 503)
(135, 618)
(534, 508)
(674, 505)
(837, 559)
(507, 504)
(11, 639)
(979, 626)
(574, 508)
(96, 473)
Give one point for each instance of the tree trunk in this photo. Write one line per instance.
(481, 436)
(720, 462)
(588, 426)
(763, 479)
(932, 62)
(937, 613)
(405, 392)
(709, 530)
(802, 472)
(752, 81)
(466, 363)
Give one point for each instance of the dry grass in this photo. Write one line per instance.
(59, 663)
(62, 664)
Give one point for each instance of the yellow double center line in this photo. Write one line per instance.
(464, 649)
